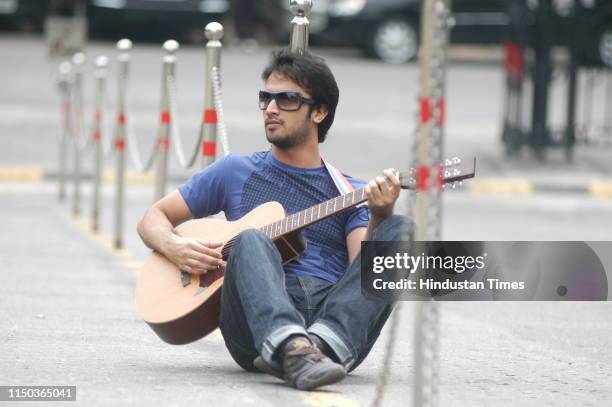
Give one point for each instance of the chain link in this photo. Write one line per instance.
(385, 371)
(133, 147)
(218, 101)
(175, 135)
(77, 124)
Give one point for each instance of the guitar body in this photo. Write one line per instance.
(181, 307)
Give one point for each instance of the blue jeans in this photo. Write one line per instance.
(261, 307)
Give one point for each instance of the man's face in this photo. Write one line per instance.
(286, 129)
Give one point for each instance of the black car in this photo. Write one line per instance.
(146, 19)
(389, 29)
(180, 19)
(26, 15)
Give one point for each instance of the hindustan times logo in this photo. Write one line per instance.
(405, 261)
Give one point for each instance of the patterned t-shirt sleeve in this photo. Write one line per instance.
(206, 192)
(359, 216)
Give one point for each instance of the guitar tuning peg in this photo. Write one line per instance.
(456, 160)
(448, 163)
(454, 185)
(460, 184)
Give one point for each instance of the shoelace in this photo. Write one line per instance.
(310, 351)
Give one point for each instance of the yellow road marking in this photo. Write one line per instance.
(327, 399)
(131, 178)
(36, 174)
(501, 186)
(601, 189)
(21, 174)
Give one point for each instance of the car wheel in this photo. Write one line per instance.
(395, 41)
(605, 46)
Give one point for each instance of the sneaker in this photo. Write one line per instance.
(263, 366)
(306, 367)
(322, 346)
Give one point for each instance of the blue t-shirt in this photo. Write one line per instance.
(237, 184)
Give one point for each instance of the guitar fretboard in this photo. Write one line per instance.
(314, 214)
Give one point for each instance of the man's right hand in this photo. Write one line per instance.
(194, 256)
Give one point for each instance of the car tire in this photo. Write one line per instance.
(604, 45)
(394, 40)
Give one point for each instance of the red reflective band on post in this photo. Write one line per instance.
(440, 176)
(209, 149)
(97, 136)
(165, 117)
(422, 177)
(98, 116)
(120, 144)
(441, 107)
(210, 116)
(425, 110)
(514, 61)
(164, 143)
(121, 118)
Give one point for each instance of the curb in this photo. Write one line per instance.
(595, 188)
(523, 187)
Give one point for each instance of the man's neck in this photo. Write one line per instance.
(303, 156)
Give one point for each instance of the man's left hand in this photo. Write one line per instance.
(382, 193)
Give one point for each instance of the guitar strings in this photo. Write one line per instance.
(401, 176)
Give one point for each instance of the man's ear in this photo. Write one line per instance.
(319, 114)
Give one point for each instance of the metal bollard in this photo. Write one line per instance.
(214, 33)
(428, 148)
(78, 60)
(101, 75)
(299, 25)
(161, 172)
(607, 126)
(65, 70)
(587, 104)
(124, 46)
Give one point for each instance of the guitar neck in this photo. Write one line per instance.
(314, 214)
(438, 176)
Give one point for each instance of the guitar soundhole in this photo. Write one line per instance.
(185, 278)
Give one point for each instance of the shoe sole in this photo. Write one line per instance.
(325, 379)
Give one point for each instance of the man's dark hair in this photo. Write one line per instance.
(312, 74)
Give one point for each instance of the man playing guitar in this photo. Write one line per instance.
(306, 321)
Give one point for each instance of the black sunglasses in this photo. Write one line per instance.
(288, 101)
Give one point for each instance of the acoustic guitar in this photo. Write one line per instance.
(181, 307)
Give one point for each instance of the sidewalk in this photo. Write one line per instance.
(67, 303)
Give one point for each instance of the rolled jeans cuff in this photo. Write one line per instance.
(343, 352)
(272, 342)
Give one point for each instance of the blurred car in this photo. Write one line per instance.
(389, 29)
(184, 19)
(598, 41)
(26, 15)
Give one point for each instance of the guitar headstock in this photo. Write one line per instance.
(451, 173)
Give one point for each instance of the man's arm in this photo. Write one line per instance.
(156, 229)
(382, 194)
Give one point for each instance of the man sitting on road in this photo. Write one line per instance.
(306, 321)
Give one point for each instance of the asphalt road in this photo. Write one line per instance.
(67, 300)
